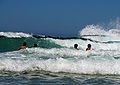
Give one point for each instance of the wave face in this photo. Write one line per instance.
(58, 55)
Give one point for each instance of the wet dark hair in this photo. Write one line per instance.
(35, 45)
(89, 45)
(75, 45)
(24, 44)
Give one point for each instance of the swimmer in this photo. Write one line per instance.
(75, 46)
(23, 47)
(35, 45)
(89, 47)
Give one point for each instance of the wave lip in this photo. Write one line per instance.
(98, 30)
(93, 30)
(14, 34)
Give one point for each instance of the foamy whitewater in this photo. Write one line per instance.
(58, 55)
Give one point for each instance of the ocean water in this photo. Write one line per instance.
(56, 62)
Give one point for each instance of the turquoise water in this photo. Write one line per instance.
(56, 62)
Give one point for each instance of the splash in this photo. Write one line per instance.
(93, 30)
(112, 29)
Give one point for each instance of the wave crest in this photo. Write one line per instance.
(92, 30)
(14, 34)
(98, 30)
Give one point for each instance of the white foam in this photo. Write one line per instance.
(110, 35)
(98, 30)
(113, 28)
(82, 45)
(56, 52)
(15, 34)
(70, 53)
(83, 62)
(70, 43)
(87, 66)
(114, 31)
(93, 30)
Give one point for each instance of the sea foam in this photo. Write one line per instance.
(14, 34)
(61, 60)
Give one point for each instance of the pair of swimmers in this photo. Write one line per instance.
(88, 48)
(24, 46)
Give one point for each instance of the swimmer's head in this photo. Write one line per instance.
(35, 45)
(89, 45)
(75, 45)
(24, 44)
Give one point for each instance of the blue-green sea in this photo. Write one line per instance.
(55, 61)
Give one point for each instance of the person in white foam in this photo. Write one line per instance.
(76, 46)
(89, 47)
